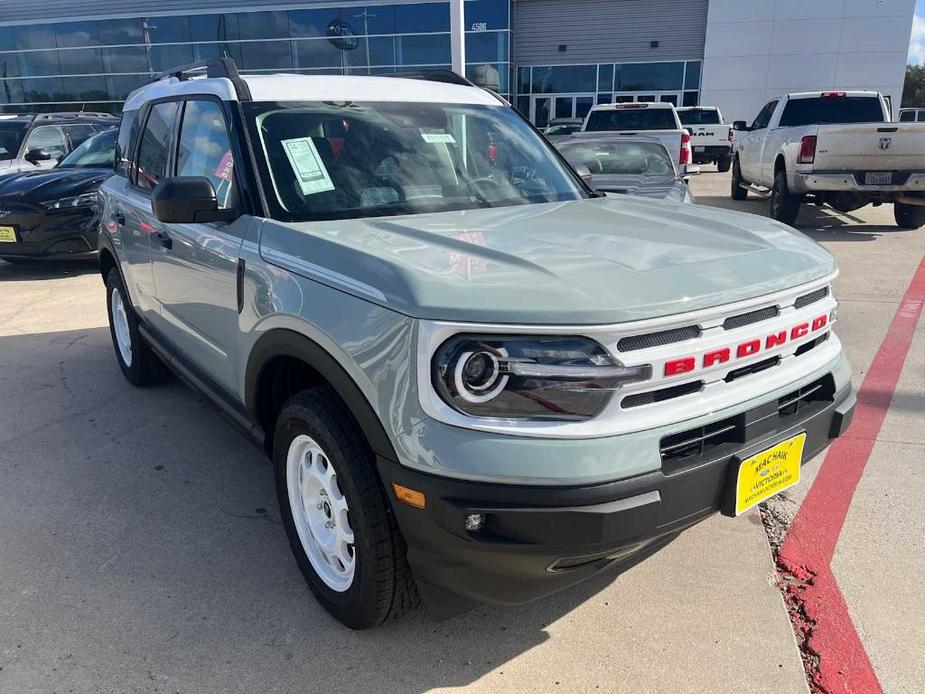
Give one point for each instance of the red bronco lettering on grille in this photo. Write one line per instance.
(683, 365)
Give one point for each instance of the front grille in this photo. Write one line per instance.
(659, 339)
(744, 319)
(734, 432)
(653, 396)
(806, 346)
(811, 298)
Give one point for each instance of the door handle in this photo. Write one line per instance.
(120, 218)
(165, 240)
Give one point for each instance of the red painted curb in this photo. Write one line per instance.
(810, 543)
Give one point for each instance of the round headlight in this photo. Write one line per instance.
(477, 376)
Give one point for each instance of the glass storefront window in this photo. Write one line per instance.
(692, 75)
(486, 46)
(316, 53)
(81, 61)
(118, 87)
(39, 63)
(493, 14)
(9, 65)
(44, 89)
(523, 80)
(605, 78)
(77, 34)
(423, 50)
(650, 76)
(125, 59)
(430, 16)
(263, 25)
(114, 32)
(165, 57)
(168, 29)
(35, 36)
(7, 39)
(85, 89)
(11, 92)
(213, 27)
(564, 78)
(266, 55)
(691, 98)
(583, 104)
(605, 98)
(492, 77)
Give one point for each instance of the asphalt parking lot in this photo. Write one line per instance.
(141, 547)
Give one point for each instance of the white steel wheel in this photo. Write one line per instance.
(120, 326)
(320, 513)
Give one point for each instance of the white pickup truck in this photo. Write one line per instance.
(652, 119)
(834, 148)
(711, 137)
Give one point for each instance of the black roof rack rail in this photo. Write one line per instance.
(214, 67)
(447, 76)
(52, 115)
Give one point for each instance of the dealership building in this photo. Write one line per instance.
(550, 58)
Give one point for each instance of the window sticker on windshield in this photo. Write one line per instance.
(306, 165)
(438, 138)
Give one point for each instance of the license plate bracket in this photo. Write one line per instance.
(878, 178)
(759, 477)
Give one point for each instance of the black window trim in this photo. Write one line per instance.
(144, 115)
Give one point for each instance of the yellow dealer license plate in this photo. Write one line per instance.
(7, 235)
(771, 471)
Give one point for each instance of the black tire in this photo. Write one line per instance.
(382, 585)
(723, 164)
(784, 207)
(738, 192)
(908, 216)
(146, 368)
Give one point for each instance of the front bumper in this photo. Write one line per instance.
(539, 539)
(71, 233)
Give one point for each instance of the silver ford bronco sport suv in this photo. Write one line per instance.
(479, 381)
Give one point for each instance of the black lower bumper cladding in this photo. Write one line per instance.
(536, 540)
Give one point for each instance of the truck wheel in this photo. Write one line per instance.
(908, 216)
(784, 206)
(336, 515)
(738, 192)
(139, 364)
(723, 163)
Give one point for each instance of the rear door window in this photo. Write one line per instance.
(827, 110)
(155, 145)
(79, 133)
(205, 150)
(632, 119)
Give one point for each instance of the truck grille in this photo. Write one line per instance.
(659, 339)
(744, 319)
(811, 298)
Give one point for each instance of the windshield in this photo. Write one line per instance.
(11, 135)
(621, 158)
(98, 151)
(350, 159)
(832, 109)
(632, 119)
(699, 117)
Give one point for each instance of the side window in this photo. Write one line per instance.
(128, 133)
(204, 149)
(49, 137)
(155, 145)
(764, 116)
(79, 133)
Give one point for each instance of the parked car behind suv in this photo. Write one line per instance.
(479, 381)
(38, 141)
(54, 214)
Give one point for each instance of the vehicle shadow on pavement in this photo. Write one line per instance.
(45, 269)
(141, 536)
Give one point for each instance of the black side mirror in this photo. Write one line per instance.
(34, 156)
(740, 125)
(188, 200)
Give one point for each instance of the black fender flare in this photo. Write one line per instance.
(281, 342)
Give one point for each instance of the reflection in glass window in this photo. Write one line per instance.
(39, 63)
(605, 77)
(692, 75)
(204, 149)
(266, 55)
(492, 13)
(486, 47)
(9, 65)
(523, 80)
(11, 92)
(152, 153)
(316, 53)
(125, 59)
(118, 31)
(423, 50)
(203, 51)
(429, 16)
(564, 78)
(309, 23)
(35, 36)
(492, 77)
(166, 57)
(76, 34)
(263, 25)
(690, 98)
(7, 39)
(81, 61)
(47, 137)
(168, 29)
(213, 27)
(85, 89)
(118, 87)
(654, 76)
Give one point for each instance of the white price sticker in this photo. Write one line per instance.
(307, 166)
(438, 138)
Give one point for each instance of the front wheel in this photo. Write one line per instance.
(139, 364)
(724, 163)
(738, 192)
(784, 206)
(336, 515)
(908, 216)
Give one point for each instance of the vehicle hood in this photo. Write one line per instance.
(42, 186)
(599, 260)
